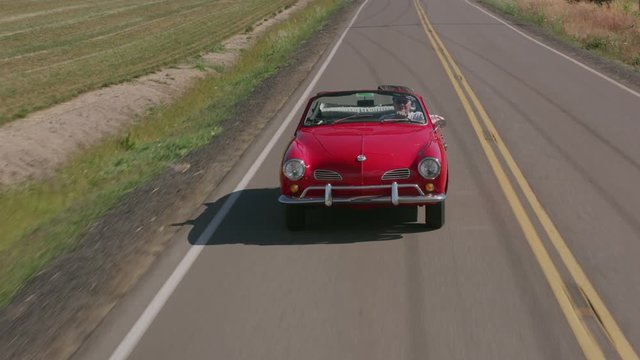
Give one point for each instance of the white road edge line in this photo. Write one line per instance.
(134, 335)
(637, 94)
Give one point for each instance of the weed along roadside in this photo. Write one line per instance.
(610, 28)
(43, 220)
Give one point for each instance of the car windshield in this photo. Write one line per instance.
(380, 107)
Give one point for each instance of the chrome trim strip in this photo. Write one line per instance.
(397, 174)
(326, 175)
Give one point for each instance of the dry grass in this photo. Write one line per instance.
(51, 51)
(612, 29)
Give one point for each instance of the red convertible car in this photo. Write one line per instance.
(365, 148)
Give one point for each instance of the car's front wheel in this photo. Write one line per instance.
(295, 217)
(434, 215)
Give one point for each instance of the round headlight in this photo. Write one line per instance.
(429, 168)
(293, 169)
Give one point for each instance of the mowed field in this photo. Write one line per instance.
(53, 50)
(40, 220)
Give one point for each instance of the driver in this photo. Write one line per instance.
(403, 110)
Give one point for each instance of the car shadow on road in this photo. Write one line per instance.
(257, 218)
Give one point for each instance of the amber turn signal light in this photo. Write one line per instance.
(429, 187)
(294, 188)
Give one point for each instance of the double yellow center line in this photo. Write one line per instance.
(470, 101)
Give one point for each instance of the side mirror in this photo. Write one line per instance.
(438, 121)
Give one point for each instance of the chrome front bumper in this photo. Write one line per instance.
(393, 198)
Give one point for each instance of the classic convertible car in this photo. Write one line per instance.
(365, 148)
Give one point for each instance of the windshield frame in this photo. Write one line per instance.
(365, 103)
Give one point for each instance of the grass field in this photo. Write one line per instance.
(53, 50)
(612, 29)
(42, 220)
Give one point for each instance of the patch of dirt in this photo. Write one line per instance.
(34, 147)
(60, 307)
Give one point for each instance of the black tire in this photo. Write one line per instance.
(295, 217)
(434, 215)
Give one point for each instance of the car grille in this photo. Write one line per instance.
(396, 174)
(326, 175)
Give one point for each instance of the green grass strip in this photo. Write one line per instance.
(43, 220)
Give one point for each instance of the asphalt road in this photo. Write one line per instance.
(375, 284)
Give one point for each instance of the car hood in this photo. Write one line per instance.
(385, 146)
